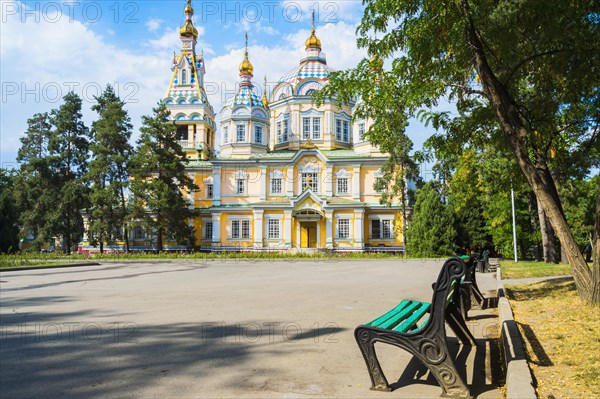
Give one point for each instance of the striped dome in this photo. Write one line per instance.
(245, 96)
(311, 69)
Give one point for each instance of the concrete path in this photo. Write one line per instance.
(217, 329)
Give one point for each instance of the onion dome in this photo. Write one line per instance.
(313, 41)
(188, 29)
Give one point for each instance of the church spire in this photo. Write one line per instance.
(264, 100)
(246, 67)
(313, 41)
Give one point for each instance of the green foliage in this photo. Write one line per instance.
(68, 148)
(36, 187)
(159, 179)
(431, 232)
(9, 213)
(579, 200)
(111, 153)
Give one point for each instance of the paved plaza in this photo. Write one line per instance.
(274, 329)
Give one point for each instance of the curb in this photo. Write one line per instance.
(18, 269)
(519, 381)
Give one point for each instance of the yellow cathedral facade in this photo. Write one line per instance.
(276, 172)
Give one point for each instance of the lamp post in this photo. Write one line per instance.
(514, 223)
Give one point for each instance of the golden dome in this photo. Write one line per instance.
(189, 9)
(313, 40)
(246, 67)
(188, 29)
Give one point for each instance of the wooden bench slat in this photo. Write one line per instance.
(411, 322)
(387, 315)
(400, 316)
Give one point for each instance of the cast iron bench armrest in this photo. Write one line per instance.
(419, 328)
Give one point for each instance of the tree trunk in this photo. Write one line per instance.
(538, 176)
(535, 225)
(563, 256)
(547, 236)
(159, 239)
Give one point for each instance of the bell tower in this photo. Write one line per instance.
(186, 97)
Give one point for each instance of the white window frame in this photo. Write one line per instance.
(183, 77)
(273, 226)
(225, 134)
(314, 182)
(346, 131)
(342, 225)
(240, 186)
(258, 134)
(345, 183)
(342, 175)
(206, 230)
(209, 191)
(361, 131)
(384, 233)
(338, 129)
(276, 186)
(237, 133)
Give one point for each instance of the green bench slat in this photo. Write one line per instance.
(387, 315)
(411, 322)
(402, 315)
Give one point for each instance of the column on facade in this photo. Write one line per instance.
(287, 231)
(329, 181)
(263, 182)
(216, 225)
(290, 181)
(359, 228)
(329, 229)
(258, 228)
(216, 185)
(356, 183)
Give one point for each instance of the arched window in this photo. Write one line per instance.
(183, 77)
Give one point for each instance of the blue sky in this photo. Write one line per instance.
(48, 47)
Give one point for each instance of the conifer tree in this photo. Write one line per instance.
(111, 154)
(36, 186)
(9, 214)
(431, 232)
(159, 179)
(68, 147)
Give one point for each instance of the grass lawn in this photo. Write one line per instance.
(524, 269)
(562, 338)
(58, 259)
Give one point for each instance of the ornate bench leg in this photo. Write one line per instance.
(365, 338)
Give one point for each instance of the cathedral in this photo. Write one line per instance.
(276, 172)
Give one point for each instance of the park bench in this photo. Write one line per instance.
(419, 328)
(470, 292)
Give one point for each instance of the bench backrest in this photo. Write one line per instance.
(447, 287)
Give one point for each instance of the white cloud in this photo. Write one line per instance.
(68, 55)
(153, 24)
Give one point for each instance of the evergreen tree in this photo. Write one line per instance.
(36, 186)
(9, 214)
(431, 232)
(111, 154)
(159, 179)
(68, 146)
